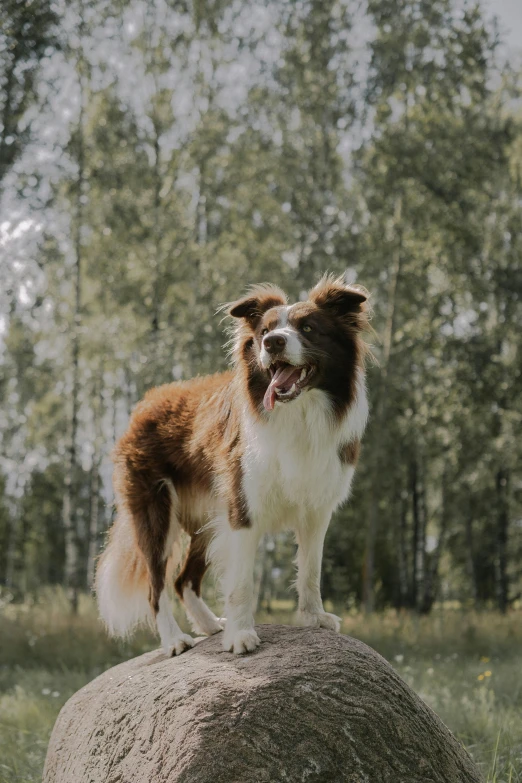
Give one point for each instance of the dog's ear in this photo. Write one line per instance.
(259, 299)
(341, 299)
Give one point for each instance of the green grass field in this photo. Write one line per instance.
(465, 665)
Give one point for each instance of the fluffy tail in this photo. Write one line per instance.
(122, 584)
(122, 580)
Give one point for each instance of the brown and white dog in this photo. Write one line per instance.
(269, 445)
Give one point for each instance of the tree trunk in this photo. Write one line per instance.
(414, 587)
(431, 568)
(470, 561)
(404, 578)
(70, 499)
(94, 488)
(201, 206)
(12, 564)
(7, 123)
(154, 365)
(308, 705)
(418, 546)
(421, 549)
(501, 541)
(368, 596)
(94, 516)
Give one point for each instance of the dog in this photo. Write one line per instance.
(269, 445)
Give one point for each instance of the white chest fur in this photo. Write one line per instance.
(291, 463)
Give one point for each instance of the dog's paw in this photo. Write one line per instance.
(319, 620)
(209, 627)
(201, 618)
(180, 644)
(215, 627)
(241, 642)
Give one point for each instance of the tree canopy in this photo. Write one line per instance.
(157, 157)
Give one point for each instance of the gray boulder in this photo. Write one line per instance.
(309, 705)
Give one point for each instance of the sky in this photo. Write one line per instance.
(509, 13)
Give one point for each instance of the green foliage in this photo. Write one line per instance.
(195, 149)
(28, 33)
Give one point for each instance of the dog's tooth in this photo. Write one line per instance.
(303, 374)
(293, 389)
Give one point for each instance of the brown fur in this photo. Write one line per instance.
(189, 433)
(349, 452)
(194, 566)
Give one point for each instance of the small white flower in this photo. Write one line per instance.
(399, 658)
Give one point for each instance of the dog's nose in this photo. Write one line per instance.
(274, 343)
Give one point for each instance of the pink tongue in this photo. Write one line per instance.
(283, 377)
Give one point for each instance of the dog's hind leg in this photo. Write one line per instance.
(157, 525)
(188, 586)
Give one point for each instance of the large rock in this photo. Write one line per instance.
(309, 705)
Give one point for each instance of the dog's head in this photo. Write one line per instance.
(290, 349)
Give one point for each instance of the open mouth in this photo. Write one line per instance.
(286, 382)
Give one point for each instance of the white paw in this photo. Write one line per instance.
(201, 618)
(319, 620)
(207, 626)
(180, 644)
(241, 642)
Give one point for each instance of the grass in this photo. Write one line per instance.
(465, 665)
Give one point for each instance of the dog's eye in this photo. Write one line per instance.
(264, 331)
(307, 328)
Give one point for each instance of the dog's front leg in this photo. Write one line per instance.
(240, 636)
(310, 538)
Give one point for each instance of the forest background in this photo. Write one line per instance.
(156, 158)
